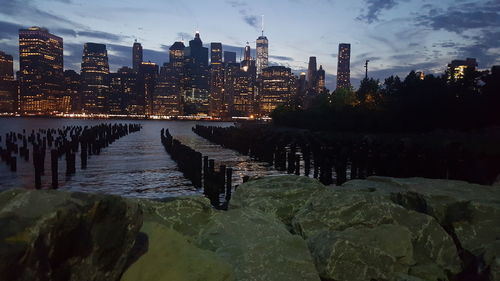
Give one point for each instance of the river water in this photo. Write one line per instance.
(134, 166)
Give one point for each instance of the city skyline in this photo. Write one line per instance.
(395, 39)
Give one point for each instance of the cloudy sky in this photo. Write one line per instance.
(395, 35)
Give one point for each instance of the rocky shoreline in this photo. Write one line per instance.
(276, 228)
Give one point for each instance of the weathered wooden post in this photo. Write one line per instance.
(54, 166)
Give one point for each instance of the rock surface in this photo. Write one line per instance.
(53, 235)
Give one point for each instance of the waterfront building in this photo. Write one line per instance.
(41, 71)
(8, 86)
(457, 68)
(136, 56)
(196, 90)
(343, 66)
(167, 95)
(262, 50)
(146, 82)
(94, 78)
(215, 53)
(277, 88)
(229, 57)
(73, 99)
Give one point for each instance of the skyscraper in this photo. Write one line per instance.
(312, 73)
(197, 77)
(457, 68)
(41, 70)
(215, 53)
(262, 49)
(246, 54)
(72, 90)
(343, 66)
(8, 87)
(146, 81)
(166, 98)
(229, 57)
(277, 88)
(320, 83)
(94, 78)
(136, 56)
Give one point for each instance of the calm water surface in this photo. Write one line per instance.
(135, 165)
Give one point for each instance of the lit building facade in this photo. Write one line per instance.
(457, 68)
(312, 75)
(41, 71)
(262, 50)
(136, 56)
(196, 90)
(73, 99)
(216, 80)
(167, 95)
(94, 78)
(8, 86)
(146, 82)
(277, 88)
(343, 66)
(320, 80)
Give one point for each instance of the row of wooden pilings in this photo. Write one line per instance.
(200, 170)
(66, 142)
(336, 158)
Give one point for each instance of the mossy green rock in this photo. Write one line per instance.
(258, 246)
(171, 256)
(281, 196)
(55, 235)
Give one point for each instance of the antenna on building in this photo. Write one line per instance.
(262, 25)
(366, 69)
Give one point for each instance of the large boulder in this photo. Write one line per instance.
(281, 196)
(170, 256)
(338, 223)
(54, 235)
(258, 246)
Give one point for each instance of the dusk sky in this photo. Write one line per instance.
(395, 35)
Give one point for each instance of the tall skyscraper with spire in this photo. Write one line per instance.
(136, 56)
(343, 66)
(262, 50)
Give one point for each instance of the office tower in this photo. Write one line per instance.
(301, 89)
(196, 91)
(457, 68)
(72, 91)
(123, 96)
(320, 80)
(343, 66)
(167, 95)
(229, 57)
(231, 71)
(246, 53)
(277, 88)
(312, 74)
(94, 78)
(136, 56)
(244, 91)
(216, 81)
(41, 71)
(215, 53)
(262, 49)
(8, 86)
(146, 81)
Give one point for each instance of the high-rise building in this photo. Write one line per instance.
(247, 53)
(41, 71)
(94, 78)
(196, 90)
(167, 95)
(343, 66)
(457, 68)
(73, 100)
(123, 98)
(262, 49)
(312, 75)
(136, 56)
(277, 88)
(320, 82)
(146, 81)
(8, 86)
(215, 53)
(229, 57)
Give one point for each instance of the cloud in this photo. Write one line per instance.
(184, 36)
(9, 30)
(373, 9)
(246, 13)
(282, 58)
(251, 20)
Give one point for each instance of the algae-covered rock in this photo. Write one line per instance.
(187, 215)
(258, 246)
(368, 217)
(170, 256)
(281, 196)
(54, 235)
